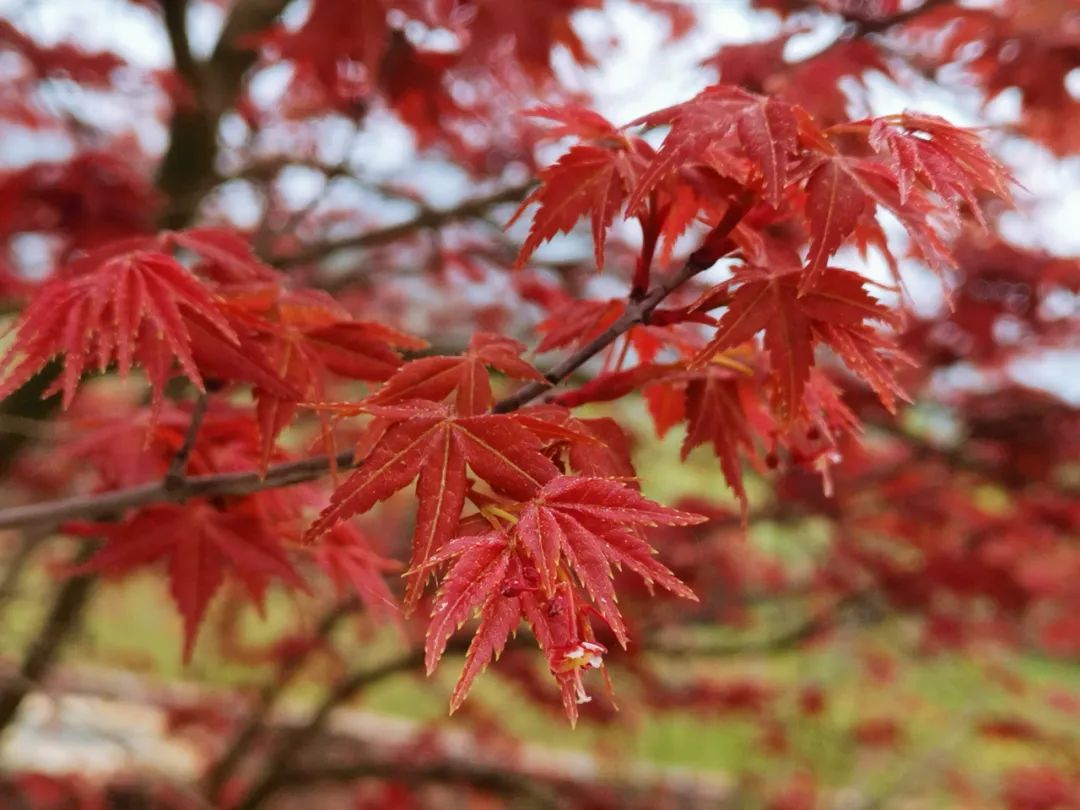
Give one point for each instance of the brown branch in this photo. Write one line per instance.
(16, 564)
(277, 763)
(531, 787)
(810, 628)
(111, 503)
(257, 719)
(859, 25)
(637, 311)
(526, 791)
(175, 15)
(426, 219)
(62, 620)
(27, 408)
(187, 170)
(295, 472)
(864, 26)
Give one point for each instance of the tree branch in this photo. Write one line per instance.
(175, 14)
(811, 627)
(295, 472)
(529, 787)
(17, 563)
(109, 503)
(72, 596)
(187, 170)
(860, 25)
(715, 246)
(277, 763)
(426, 219)
(257, 719)
(636, 312)
(526, 791)
(864, 26)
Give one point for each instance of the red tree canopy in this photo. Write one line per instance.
(302, 342)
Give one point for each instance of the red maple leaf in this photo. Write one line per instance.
(224, 257)
(550, 568)
(127, 303)
(348, 559)
(203, 544)
(131, 303)
(948, 160)
(835, 309)
(309, 340)
(711, 399)
(568, 525)
(425, 441)
(593, 447)
(464, 376)
(715, 409)
(834, 202)
(577, 322)
(931, 171)
(488, 576)
(591, 179)
(711, 128)
(291, 343)
(339, 47)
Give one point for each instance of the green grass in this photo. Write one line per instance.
(132, 625)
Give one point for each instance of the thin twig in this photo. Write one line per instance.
(635, 313)
(426, 219)
(174, 478)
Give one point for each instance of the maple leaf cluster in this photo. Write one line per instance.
(543, 541)
(554, 518)
(722, 145)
